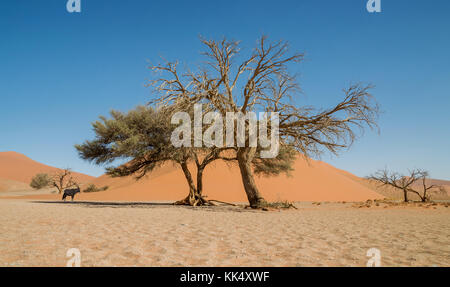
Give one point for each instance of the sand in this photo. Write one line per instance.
(7, 185)
(132, 224)
(39, 234)
(310, 181)
(20, 168)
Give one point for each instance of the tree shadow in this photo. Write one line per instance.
(115, 204)
(108, 203)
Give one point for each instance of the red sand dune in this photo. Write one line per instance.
(17, 167)
(316, 181)
(12, 185)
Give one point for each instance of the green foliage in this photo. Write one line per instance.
(141, 137)
(94, 188)
(282, 163)
(40, 180)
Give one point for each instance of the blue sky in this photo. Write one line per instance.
(60, 71)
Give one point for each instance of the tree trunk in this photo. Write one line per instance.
(58, 188)
(200, 179)
(188, 176)
(194, 198)
(424, 198)
(245, 157)
(405, 195)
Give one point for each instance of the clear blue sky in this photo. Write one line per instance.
(60, 71)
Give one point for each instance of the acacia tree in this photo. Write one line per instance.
(142, 138)
(262, 81)
(63, 180)
(405, 183)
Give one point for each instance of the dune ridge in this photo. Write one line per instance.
(18, 167)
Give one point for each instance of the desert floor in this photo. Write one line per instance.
(34, 233)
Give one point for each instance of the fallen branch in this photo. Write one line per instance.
(222, 202)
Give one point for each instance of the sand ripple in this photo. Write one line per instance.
(39, 234)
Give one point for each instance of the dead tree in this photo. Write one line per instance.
(405, 183)
(425, 196)
(63, 180)
(262, 81)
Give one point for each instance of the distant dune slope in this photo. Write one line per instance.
(17, 167)
(394, 193)
(313, 181)
(310, 181)
(12, 185)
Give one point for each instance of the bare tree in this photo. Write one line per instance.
(425, 196)
(405, 183)
(263, 82)
(63, 180)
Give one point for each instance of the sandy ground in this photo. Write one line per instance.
(157, 234)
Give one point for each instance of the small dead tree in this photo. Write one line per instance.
(425, 196)
(63, 180)
(405, 183)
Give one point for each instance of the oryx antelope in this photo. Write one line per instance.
(70, 192)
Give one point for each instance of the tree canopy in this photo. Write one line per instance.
(262, 80)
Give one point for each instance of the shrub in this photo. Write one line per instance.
(40, 180)
(94, 188)
(279, 205)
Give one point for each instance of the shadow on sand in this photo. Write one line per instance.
(110, 204)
